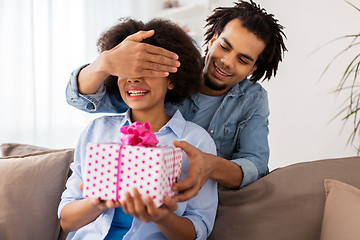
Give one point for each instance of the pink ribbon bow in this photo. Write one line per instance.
(138, 134)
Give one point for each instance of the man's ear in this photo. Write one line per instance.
(212, 40)
(252, 70)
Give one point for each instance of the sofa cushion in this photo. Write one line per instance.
(286, 204)
(12, 149)
(30, 190)
(342, 211)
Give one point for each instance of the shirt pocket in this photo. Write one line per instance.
(229, 140)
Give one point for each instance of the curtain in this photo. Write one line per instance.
(41, 43)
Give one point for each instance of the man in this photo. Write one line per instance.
(244, 45)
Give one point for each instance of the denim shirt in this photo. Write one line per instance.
(239, 127)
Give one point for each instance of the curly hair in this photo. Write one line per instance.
(169, 36)
(263, 25)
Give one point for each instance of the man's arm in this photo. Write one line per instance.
(249, 162)
(130, 58)
(202, 167)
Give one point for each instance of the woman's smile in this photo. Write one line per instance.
(136, 92)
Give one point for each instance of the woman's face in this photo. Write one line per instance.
(144, 94)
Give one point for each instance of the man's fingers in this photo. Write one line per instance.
(185, 184)
(186, 195)
(140, 35)
(159, 51)
(186, 147)
(159, 63)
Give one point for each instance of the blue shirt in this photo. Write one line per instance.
(201, 209)
(239, 126)
(209, 105)
(120, 224)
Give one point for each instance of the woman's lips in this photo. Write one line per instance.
(137, 93)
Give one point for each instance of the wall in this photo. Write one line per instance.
(301, 105)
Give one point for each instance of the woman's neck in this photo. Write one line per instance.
(157, 119)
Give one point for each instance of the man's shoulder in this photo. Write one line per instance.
(249, 89)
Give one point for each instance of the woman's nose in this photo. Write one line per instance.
(133, 80)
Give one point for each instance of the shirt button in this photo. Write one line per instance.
(221, 107)
(211, 131)
(72, 99)
(194, 111)
(90, 106)
(134, 230)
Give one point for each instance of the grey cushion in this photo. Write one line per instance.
(30, 189)
(12, 149)
(342, 211)
(286, 204)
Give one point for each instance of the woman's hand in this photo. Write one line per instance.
(102, 204)
(147, 212)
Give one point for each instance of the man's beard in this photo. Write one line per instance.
(212, 84)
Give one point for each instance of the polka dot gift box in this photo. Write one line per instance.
(114, 168)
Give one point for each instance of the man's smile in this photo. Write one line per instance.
(221, 71)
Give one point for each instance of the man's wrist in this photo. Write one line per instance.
(101, 64)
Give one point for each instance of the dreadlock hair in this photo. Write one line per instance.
(263, 25)
(169, 36)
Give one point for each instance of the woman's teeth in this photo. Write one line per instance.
(134, 93)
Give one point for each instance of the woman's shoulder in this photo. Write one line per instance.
(104, 123)
(198, 137)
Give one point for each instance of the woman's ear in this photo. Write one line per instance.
(170, 85)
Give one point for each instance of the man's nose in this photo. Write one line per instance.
(228, 60)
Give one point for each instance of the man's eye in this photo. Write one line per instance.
(242, 61)
(223, 47)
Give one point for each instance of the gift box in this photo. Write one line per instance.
(112, 169)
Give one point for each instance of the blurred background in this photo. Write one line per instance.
(43, 41)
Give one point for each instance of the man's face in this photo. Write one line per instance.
(231, 58)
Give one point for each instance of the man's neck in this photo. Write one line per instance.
(211, 92)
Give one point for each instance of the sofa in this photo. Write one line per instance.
(305, 201)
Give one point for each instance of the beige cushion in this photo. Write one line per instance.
(286, 204)
(30, 190)
(12, 149)
(342, 211)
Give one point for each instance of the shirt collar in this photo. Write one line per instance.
(126, 120)
(176, 124)
(239, 89)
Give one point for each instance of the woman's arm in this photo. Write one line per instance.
(79, 213)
